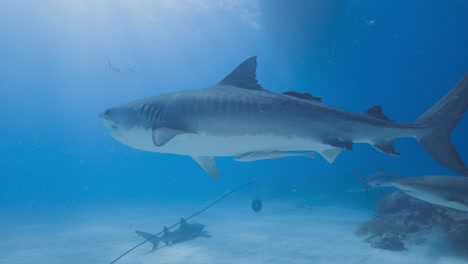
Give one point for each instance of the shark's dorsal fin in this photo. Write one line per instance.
(244, 76)
(379, 167)
(166, 231)
(376, 111)
(183, 223)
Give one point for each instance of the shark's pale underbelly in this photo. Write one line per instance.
(210, 145)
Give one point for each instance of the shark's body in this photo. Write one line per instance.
(380, 178)
(237, 116)
(447, 191)
(183, 233)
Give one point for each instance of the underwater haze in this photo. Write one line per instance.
(71, 193)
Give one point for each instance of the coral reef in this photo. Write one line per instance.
(402, 219)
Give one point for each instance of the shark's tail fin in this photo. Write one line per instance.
(441, 119)
(362, 178)
(151, 238)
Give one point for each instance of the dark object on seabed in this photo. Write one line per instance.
(388, 242)
(256, 205)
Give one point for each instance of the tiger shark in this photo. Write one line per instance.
(380, 178)
(185, 232)
(238, 116)
(447, 191)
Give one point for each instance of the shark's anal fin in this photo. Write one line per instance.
(386, 146)
(208, 164)
(163, 135)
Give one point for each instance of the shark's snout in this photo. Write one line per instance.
(106, 119)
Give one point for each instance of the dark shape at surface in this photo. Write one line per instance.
(256, 205)
(111, 67)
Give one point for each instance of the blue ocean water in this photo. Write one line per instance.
(64, 62)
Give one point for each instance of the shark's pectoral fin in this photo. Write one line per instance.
(386, 146)
(208, 164)
(331, 154)
(163, 135)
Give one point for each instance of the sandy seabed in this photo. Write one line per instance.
(280, 233)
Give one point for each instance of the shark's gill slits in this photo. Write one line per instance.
(155, 113)
(150, 112)
(143, 110)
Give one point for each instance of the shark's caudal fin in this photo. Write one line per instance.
(362, 178)
(153, 239)
(441, 119)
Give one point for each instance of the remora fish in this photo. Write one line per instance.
(183, 233)
(448, 191)
(253, 156)
(238, 116)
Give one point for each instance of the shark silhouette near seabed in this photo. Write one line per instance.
(447, 191)
(237, 116)
(380, 178)
(183, 233)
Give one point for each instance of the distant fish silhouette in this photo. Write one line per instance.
(381, 178)
(130, 69)
(112, 68)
